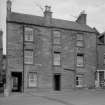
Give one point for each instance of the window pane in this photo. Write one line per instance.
(32, 79)
(28, 57)
(28, 34)
(79, 37)
(104, 58)
(56, 37)
(80, 60)
(56, 41)
(56, 58)
(80, 43)
(56, 34)
(79, 80)
(79, 40)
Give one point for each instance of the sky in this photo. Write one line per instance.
(63, 9)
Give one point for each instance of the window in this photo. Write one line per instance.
(28, 34)
(56, 58)
(28, 56)
(79, 40)
(56, 37)
(80, 60)
(79, 80)
(32, 79)
(104, 58)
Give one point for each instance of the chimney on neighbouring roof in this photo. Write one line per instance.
(9, 5)
(82, 18)
(48, 15)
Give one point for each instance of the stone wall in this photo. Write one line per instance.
(42, 46)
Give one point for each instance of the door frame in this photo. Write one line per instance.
(55, 81)
(19, 76)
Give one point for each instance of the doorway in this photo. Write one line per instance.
(57, 82)
(16, 81)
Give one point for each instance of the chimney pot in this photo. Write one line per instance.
(48, 8)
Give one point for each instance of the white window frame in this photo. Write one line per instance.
(32, 82)
(26, 58)
(57, 59)
(56, 37)
(79, 80)
(104, 58)
(80, 40)
(78, 63)
(28, 34)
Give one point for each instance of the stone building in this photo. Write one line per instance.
(100, 74)
(1, 54)
(48, 53)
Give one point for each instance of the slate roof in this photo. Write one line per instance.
(38, 20)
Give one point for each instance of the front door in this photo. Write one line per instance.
(16, 81)
(57, 82)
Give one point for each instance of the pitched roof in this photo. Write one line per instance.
(38, 20)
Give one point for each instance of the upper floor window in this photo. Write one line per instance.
(56, 58)
(29, 34)
(79, 40)
(28, 56)
(56, 37)
(80, 60)
(104, 58)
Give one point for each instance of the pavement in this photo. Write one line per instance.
(68, 97)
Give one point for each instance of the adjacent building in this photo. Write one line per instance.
(100, 74)
(1, 55)
(48, 53)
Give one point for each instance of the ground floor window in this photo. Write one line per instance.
(32, 79)
(100, 78)
(79, 80)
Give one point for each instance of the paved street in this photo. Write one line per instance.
(71, 97)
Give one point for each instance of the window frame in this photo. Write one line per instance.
(79, 80)
(78, 55)
(31, 50)
(36, 81)
(57, 38)
(80, 40)
(54, 58)
(104, 59)
(25, 39)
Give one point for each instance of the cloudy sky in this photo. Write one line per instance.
(63, 9)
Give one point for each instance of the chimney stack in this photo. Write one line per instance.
(9, 5)
(82, 18)
(48, 15)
